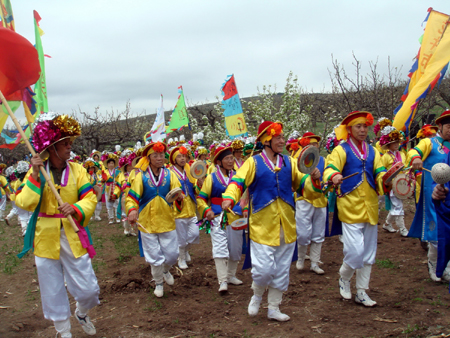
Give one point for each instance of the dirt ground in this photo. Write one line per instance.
(409, 303)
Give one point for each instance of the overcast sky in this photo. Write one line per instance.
(105, 52)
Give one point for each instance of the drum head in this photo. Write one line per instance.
(173, 195)
(394, 171)
(403, 186)
(308, 159)
(240, 224)
(198, 169)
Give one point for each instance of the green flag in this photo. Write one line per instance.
(179, 118)
(40, 87)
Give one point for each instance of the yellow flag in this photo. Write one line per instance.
(235, 125)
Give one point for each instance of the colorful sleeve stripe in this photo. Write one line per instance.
(34, 185)
(316, 185)
(240, 183)
(134, 196)
(379, 170)
(128, 184)
(205, 212)
(80, 213)
(332, 175)
(178, 206)
(332, 167)
(131, 209)
(203, 196)
(413, 158)
(229, 198)
(302, 184)
(19, 189)
(419, 151)
(84, 190)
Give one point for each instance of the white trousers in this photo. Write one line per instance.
(310, 223)
(226, 243)
(13, 210)
(79, 275)
(360, 244)
(396, 206)
(112, 204)
(187, 231)
(3, 203)
(24, 217)
(160, 248)
(270, 264)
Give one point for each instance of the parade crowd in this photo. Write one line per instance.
(257, 196)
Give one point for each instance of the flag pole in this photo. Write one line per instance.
(30, 148)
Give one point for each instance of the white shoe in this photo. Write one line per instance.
(300, 264)
(344, 289)
(277, 315)
(432, 272)
(111, 221)
(188, 257)
(389, 228)
(223, 287)
(253, 307)
(126, 232)
(316, 269)
(307, 258)
(97, 218)
(168, 278)
(446, 276)
(235, 281)
(340, 239)
(182, 264)
(132, 233)
(404, 232)
(364, 299)
(86, 324)
(118, 221)
(159, 290)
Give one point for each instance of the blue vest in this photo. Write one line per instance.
(150, 191)
(216, 196)
(424, 223)
(269, 185)
(355, 164)
(186, 185)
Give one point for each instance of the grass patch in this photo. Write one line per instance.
(155, 304)
(125, 246)
(416, 327)
(386, 264)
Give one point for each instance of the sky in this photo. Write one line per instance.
(107, 52)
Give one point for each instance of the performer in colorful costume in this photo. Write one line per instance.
(60, 255)
(146, 200)
(238, 149)
(110, 178)
(185, 211)
(24, 215)
(311, 217)
(13, 184)
(292, 145)
(390, 142)
(226, 243)
(427, 153)
(269, 177)
(4, 189)
(357, 205)
(382, 123)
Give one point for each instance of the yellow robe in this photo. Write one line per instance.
(361, 205)
(47, 235)
(188, 207)
(265, 224)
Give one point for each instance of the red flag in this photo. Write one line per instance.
(19, 62)
(229, 88)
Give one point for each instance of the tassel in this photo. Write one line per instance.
(143, 163)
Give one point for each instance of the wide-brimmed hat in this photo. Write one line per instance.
(220, 150)
(263, 127)
(174, 152)
(309, 135)
(51, 128)
(341, 130)
(147, 149)
(444, 116)
(109, 157)
(390, 135)
(89, 162)
(427, 130)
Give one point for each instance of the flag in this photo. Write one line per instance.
(40, 87)
(158, 131)
(19, 63)
(6, 15)
(424, 78)
(179, 118)
(231, 103)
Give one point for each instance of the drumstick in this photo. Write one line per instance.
(350, 175)
(232, 212)
(419, 169)
(140, 225)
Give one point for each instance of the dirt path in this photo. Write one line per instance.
(409, 304)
